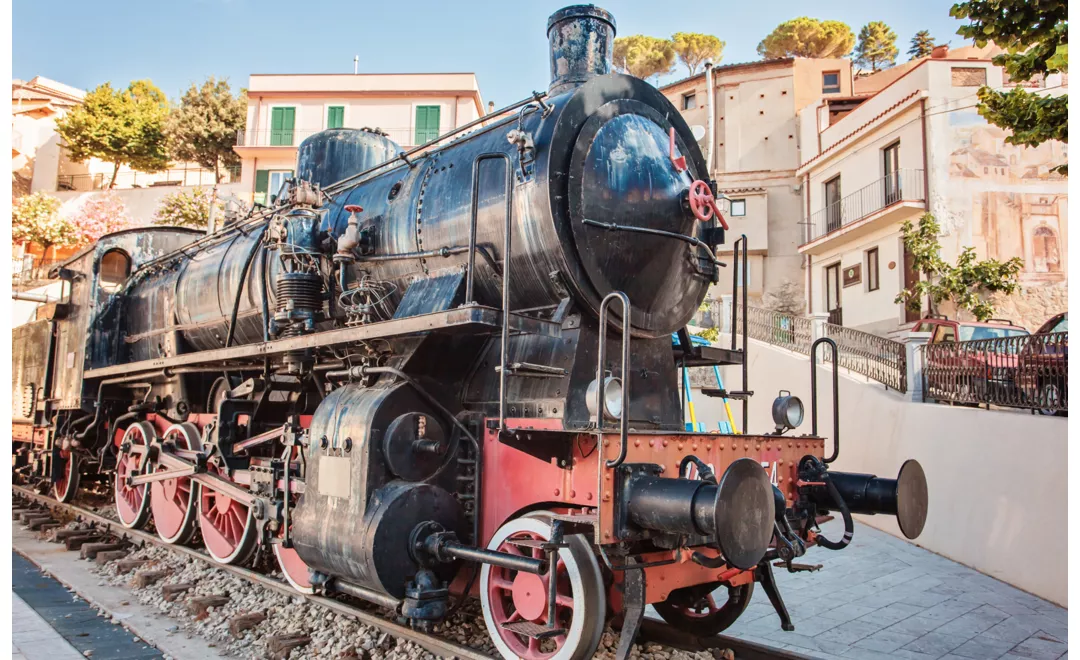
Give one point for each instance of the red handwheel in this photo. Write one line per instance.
(703, 204)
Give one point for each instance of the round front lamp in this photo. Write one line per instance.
(787, 412)
(612, 398)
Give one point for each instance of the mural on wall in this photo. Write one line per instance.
(1006, 199)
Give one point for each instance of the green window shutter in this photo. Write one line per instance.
(335, 116)
(262, 182)
(281, 126)
(427, 123)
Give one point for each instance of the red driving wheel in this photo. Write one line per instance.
(173, 501)
(228, 526)
(132, 504)
(67, 485)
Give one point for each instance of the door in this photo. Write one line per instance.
(281, 126)
(892, 173)
(427, 123)
(833, 217)
(832, 294)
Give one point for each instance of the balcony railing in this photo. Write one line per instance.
(1028, 371)
(404, 137)
(901, 186)
(187, 176)
(875, 357)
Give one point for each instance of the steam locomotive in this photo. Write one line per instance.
(422, 376)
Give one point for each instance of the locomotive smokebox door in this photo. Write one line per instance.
(375, 471)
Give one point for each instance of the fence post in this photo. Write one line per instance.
(912, 343)
(817, 324)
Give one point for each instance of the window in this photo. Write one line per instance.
(891, 156)
(738, 207)
(268, 184)
(943, 333)
(335, 116)
(1045, 251)
(830, 82)
(427, 123)
(832, 287)
(833, 216)
(689, 101)
(968, 76)
(114, 270)
(872, 269)
(282, 121)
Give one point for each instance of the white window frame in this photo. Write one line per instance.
(731, 207)
(272, 190)
(688, 96)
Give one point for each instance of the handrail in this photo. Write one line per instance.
(745, 331)
(836, 394)
(601, 354)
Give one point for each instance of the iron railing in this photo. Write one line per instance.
(28, 272)
(794, 333)
(180, 176)
(873, 356)
(1027, 371)
(900, 186)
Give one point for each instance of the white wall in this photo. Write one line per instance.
(140, 203)
(997, 479)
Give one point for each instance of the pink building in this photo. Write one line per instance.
(284, 109)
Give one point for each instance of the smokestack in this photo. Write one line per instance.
(356, 64)
(491, 107)
(580, 38)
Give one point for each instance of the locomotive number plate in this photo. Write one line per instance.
(335, 476)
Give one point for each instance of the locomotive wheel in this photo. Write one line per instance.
(64, 489)
(294, 568)
(132, 502)
(694, 610)
(174, 502)
(228, 526)
(510, 597)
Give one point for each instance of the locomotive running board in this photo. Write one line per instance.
(475, 319)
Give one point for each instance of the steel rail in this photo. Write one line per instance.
(651, 630)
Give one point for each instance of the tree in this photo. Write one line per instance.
(964, 283)
(1035, 37)
(123, 127)
(185, 209)
(100, 215)
(876, 47)
(922, 44)
(694, 48)
(807, 37)
(643, 56)
(35, 218)
(203, 128)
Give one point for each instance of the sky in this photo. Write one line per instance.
(180, 42)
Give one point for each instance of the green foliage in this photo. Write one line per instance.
(185, 209)
(643, 56)
(1035, 36)
(876, 47)
(922, 44)
(694, 48)
(712, 334)
(964, 283)
(203, 128)
(123, 127)
(36, 218)
(807, 37)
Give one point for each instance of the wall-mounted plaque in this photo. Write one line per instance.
(852, 275)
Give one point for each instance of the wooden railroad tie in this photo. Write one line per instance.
(171, 592)
(48, 527)
(128, 565)
(279, 646)
(35, 522)
(147, 578)
(91, 550)
(241, 622)
(200, 605)
(25, 516)
(105, 556)
(64, 534)
(77, 542)
(16, 513)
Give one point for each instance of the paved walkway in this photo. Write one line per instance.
(32, 638)
(883, 598)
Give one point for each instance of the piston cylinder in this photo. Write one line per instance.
(905, 496)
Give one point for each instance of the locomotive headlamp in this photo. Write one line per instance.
(787, 411)
(612, 398)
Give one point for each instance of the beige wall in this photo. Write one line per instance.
(139, 203)
(997, 479)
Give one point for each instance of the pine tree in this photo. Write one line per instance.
(877, 46)
(922, 44)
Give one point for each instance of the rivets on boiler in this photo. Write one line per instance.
(637, 443)
(680, 446)
(665, 443)
(556, 492)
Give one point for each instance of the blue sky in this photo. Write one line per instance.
(183, 41)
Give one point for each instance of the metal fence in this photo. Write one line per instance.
(900, 186)
(29, 272)
(185, 176)
(794, 333)
(1029, 371)
(873, 356)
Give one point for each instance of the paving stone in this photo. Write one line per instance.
(916, 625)
(885, 641)
(1039, 648)
(850, 632)
(848, 612)
(935, 643)
(982, 648)
(891, 614)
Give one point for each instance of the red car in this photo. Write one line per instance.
(972, 361)
(1044, 367)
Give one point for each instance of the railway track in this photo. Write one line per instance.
(652, 631)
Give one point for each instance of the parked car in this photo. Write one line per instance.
(981, 364)
(1044, 366)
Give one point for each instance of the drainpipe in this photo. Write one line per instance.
(809, 257)
(926, 188)
(710, 120)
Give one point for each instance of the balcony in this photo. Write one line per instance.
(876, 205)
(291, 138)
